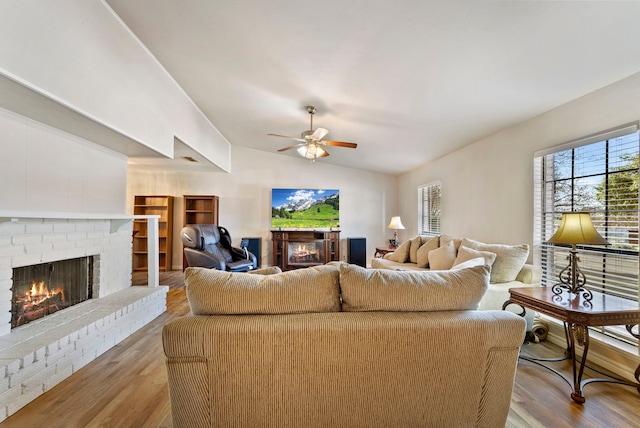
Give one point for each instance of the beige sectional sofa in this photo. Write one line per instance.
(508, 268)
(340, 345)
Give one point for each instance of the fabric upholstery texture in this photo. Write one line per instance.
(446, 238)
(497, 293)
(416, 243)
(401, 254)
(465, 254)
(355, 369)
(269, 270)
(443, 257)
(211, 291)
(386, 290)
(478, 261)
(422, 255)
(509, 258)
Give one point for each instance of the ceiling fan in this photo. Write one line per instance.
(311, 144)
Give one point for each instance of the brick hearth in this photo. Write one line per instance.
(37, 356)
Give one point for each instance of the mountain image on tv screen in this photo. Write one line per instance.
(305, 208)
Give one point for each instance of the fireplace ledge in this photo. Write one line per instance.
(90, 314)
(39, 355)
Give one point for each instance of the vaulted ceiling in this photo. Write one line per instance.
(408, 80)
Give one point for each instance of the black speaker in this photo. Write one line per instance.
(254, 246)
(357, 251)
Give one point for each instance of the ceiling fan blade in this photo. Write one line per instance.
(295, 146)
(285, 136)
(340, 144)
(319, 133)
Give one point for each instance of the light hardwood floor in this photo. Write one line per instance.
(127, 387)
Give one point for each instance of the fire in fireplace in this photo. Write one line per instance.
(43, 289)
(306, 253)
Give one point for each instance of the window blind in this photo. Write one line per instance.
(429, 209)
(599, 175)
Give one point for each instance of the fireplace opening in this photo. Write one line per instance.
(43, 289)
(306, 253)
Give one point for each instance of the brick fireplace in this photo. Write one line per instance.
(36, 356)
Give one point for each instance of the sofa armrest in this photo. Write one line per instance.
(530, 274)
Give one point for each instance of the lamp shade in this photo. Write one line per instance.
(395, 223)
(576, 228)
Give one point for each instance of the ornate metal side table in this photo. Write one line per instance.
(381, 251)
(577, 314)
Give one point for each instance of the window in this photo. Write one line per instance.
(599, 175)
(429, 209)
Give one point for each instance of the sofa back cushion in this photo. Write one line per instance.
(509, 258)
(417, 291)
(214, 292)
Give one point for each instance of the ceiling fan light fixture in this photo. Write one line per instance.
(311, 151)
(311, 144)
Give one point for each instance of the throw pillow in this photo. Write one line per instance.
(215, 292)
(413, 249)
(388, 290)
(478, 261)
(465, 254)
(401, 254)
(446, 238)
(509, 259)
(443, 257)
(423, 252)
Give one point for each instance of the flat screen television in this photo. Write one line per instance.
(305, 208)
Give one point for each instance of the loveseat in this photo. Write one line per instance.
(341, 346)
(508, 264)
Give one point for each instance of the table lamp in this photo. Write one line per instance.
(395, 224)
(575, 228)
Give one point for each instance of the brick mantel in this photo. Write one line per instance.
(116, 221)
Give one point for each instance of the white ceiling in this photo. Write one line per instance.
(408, 80)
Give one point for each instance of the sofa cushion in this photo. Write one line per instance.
(509, 258)
(443, 257)
(386, 290)
(413, 249)
(465, 254)
(478, 261)
(446, 238)
(214, 292)
(428, 244)
(401, 254)
(380, 263)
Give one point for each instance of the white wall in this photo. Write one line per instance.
(78, 53)
(487, 188)
(367, 200)
(45, 169)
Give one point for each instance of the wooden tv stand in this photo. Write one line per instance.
(316, 247)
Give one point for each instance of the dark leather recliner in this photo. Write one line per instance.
(209, 246)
